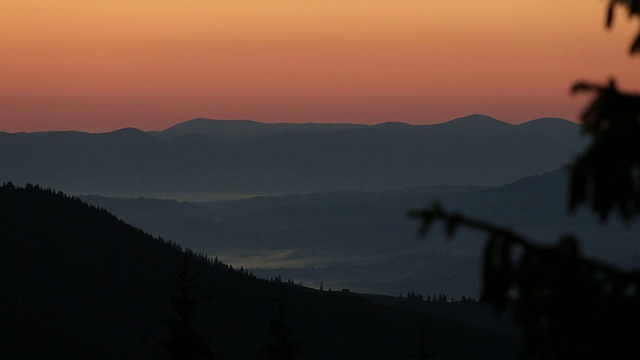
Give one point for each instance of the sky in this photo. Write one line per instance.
(103, 65)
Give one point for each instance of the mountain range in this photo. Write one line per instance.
(316, 203)
(213, 159)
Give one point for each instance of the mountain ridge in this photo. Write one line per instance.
(204, 126)
(242, 130)
(377, 157)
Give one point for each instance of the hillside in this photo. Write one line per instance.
(79, 283)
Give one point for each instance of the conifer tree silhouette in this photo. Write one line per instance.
(423, 353)
(185, 342)
(281, 346)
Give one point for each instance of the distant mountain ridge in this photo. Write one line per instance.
(243, 130)
(245, 158)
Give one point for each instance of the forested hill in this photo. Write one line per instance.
(77, 283)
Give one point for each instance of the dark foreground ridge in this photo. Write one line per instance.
(78, 283)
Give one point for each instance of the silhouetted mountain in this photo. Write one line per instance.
(476, 123)
(393, 126)
(242, 130)
(287, 158)
(548, 124)
(77, 283)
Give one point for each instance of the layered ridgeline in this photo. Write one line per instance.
(204, 158)
(77, 283)
(364, 241)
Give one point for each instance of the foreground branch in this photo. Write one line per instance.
(567, 306)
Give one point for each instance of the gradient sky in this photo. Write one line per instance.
(102, 65)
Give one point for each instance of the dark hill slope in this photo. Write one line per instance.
(77, 283)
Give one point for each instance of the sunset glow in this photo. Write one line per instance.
(102, 65)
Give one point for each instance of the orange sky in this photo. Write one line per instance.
(102, 65)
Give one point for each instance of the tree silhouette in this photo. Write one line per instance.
(185, 342)
(423, 353)
(569, 307)
(633, 10)
(281, 347)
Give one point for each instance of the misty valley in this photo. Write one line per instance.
(318, 180)
(364, 241)
(96, 226)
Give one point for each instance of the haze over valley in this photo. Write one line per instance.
(320, 202)
(304, 180)
(323, 206)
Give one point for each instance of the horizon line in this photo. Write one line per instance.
(296, 123)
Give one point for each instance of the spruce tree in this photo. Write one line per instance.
(185, 342)
(423, 352)
(281, 346)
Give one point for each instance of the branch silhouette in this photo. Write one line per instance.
(567, 306)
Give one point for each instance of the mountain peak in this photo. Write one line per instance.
(552, 127)
(548, 122)
(476, 123)
(204, 124)
(392, 125)
(245, 130)
(477, 119)
(124, 133)
(126, 130)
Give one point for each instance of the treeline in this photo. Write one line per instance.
(435, 298)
